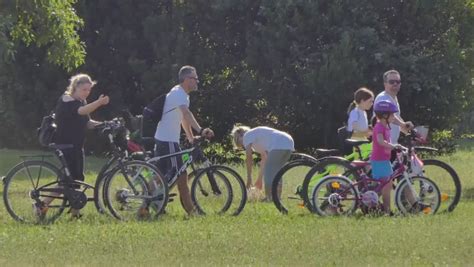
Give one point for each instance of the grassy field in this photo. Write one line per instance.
(259, 236)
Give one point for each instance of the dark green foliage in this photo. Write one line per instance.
(292, 65)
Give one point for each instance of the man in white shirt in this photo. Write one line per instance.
(176, 114)
(392, 83)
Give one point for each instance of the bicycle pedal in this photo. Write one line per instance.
(172, 195)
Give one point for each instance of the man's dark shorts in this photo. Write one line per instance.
(168, 166)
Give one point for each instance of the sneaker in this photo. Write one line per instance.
(419, 207)
(40, 210)
(143, 213)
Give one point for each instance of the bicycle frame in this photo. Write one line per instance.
(403, 170)
(188, 156)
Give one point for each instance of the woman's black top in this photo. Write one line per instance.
(71, 127)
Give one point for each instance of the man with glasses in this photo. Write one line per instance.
(176, 113)
(392, 83)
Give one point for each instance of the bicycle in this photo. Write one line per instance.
(440, 172)
(141, 147)
(287, 185)
(131, 174)
(341, 195)
(214, 188)
(44, 186)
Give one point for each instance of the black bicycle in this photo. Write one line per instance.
(37, 190)
(215, 189)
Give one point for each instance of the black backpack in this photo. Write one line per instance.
(152, 114)
(47, 130)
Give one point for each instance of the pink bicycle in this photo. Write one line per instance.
(343, 194)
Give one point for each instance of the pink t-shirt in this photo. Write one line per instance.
(379, 152)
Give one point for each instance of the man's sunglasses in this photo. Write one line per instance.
(392, 82)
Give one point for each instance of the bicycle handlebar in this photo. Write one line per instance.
(110, 126)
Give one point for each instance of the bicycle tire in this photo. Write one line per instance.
(13, 182)
(334, 166)
(214, 191)
(239, 191)
(280, 198)
(452, 190)
(424, 186)
(124, 196)
(336, 188)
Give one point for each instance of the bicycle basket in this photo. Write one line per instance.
(422, 133)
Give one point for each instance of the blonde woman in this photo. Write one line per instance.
(274, 146)
(72, 120)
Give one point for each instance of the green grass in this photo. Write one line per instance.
(259, 236)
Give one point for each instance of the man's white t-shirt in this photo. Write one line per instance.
(357, 121)
(266, 139)
(169, 127)
(394, 128)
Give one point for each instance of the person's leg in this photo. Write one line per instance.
(386, 190)
(169, 167)
(70, 156)
(163, 149)
(275, 160)
(184, 193)
(165, 166)
(76, 166)
(383, 170)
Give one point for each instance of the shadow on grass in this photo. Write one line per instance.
(468, 194)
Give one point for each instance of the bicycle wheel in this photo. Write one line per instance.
(286, 187)
(218, 189)
(330, 166)
(27, 192)
(99, 192)
(447, 180)
(423, 199)
(333, 196)
(133, 186)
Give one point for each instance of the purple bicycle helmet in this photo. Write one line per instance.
(385, 106)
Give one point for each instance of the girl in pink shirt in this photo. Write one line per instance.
(382, 148)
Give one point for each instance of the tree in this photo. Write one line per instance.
(45, 23)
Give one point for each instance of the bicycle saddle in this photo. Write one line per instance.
(60, 146)
(321, 152)
(353, 142)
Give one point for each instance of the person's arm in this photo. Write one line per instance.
(188, 131)
(249, 163)
(91, 107)
(405, 126)
(91, 124)
(384, 143)
(189, 118)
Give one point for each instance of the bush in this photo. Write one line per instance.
(444, 141)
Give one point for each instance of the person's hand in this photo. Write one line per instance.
(103, 100)
(409, 125)
(207, 133)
